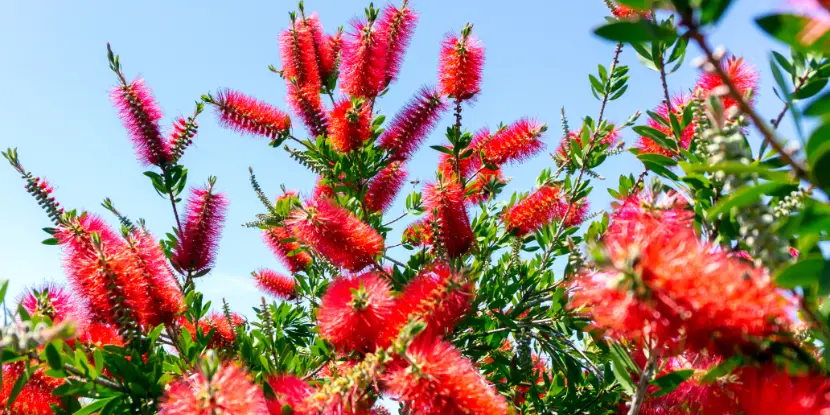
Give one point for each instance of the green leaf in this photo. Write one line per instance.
(18, 386)
(785, 64)
(442, 149)
(790, 28)
(50, 241)
(4, 286)
(95, 406)
(670, 381)
(656, 135)
(814, 87)
(734, 167)
(742, 197)
(713, 10)
(804, 273)
(53, 357)
(657, 158)
(819, 107)
(636, 4)
(635, 31)
(819, 161)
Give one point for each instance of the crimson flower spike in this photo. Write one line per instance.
(326, 48)
(54, 301)
(37, 187)
(276, 285)
(306, 104)
(446, 200)
(742, 75)
(363, 68)
(533, 212)
(245, 114)
(217, 387)
(281, 242)
(354, 311)
(140, 115)
(385, 186)
(413, 123)
(460, 64)
(516, 143)
(397, 25)
(146, 258)
(35, 398)
(298, 53)
(350, 123)
(182, 133)
(196, 249)
(289, 392)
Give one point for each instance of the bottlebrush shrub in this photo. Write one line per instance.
(701, 289)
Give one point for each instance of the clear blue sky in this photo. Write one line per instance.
(54, 81)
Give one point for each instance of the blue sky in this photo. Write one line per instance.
(54, 80)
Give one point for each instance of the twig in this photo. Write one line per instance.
(316, 371)
(394, 261)
(403, 215)
(642, 385)
(101, 380)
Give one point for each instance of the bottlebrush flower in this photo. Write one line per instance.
(298, 54)
(281, 242)
(327, 48)
(477, 190)
(441, 381)
(534, 211)
(228, 390)
(181, 136)
(363, 68)
(576, 212)
(385, 186)
(672, 211)
(768, 391)
(622, 11)
(648, 146)
(437, 296)
(147, 259)
(518, 142)
(446, 201)
(54, 301)
(331, 60)
(245, 114)
(36, 396)
(140, 115)
(322, 190)
(289, 391)
(460, 65)
(354, 311)
(608, 138)
(413, 123)
(397, 25)
(196, 249)
(741, 74)
(224, 335)
(350, 124)
(418, 233)
(336, 234)
(279, 286)
(100, 335)
(306, 104)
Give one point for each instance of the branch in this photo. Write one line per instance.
(101, 380)
(642, 386)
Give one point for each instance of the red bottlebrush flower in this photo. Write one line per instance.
(306, 104)
(36, 396)
(418, 233)
(140, 115)
(460, 65)
(534, 211)
(336, 234)
(608, 138)
(647, 145)
(245, 114)
(100, 335)
(741, 74)
(443, 382)
(147, 259)
(767, 391)
(539, 369)
(289, 391)
(228, 390)
(298, 53)
(379, 410)
(446, 201)
(54, 301)
(413, 123)
(202, 228)
(281, 242)
(576, 212)
(437, 296)
(793, 252)
(477, 190)
(279, 286)
(518, 142)
(350, 124)
(224, 335)
(322, 190)
(181, 136)
(363, 69)
(397, 25)
(330, 60)
(622, 11)
(385, 186)
(354, 311)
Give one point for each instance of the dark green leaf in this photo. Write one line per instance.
(819, 107)
(742, 197)
(18, 386)
(814, 87)
(635, 31)
(670, 381)
(819, 161)
(53, 357)
(442, 149)
(50, 241)
(804, 273)
(94, 407)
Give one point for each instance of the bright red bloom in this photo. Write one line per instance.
(224, 335)
(534, 211)
(460, 65)
(648, 146)
(350, 124)
(418, 233)
(277, 285)
(245, 114)
(227, 391)
(327, 48)
(516, 143)
(336, 234)
(363, 69)
(202, 228)
(576, 213)
(672, 211)
(181, 136)
(36, 396)
(147, 259)
(54, 301)
(306, 104)
(477, 190)
(100, 335)
(768, 391)
(413, 123)
(446, 201)
(742, 75)
(322, 190)
(793, 252)
(443, 382)
(622, 11)
(140, 115)
(385, 186)
(397, 25)
(290, 391)
(609, 138)
(298, 53)
(539, 370)
(354, 311)
(281, 242)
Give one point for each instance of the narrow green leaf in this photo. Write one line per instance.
(94, 407)
(635, 31)
(53, 357)
(804, 273)
(18, 386)
(670, 381)
(742, 197)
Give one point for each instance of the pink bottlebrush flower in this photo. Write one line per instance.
(418, 233)
(363, 68)
(769, 391)
(793, 252)
(245, 114)
(336, 234)
(180, 137)
(326, 48)
(354, 311)
(446, 201)
(460, 65)
(36, 396)
(413, 123)
(277, 285)
(205, 217)
(442, 381)
(298, 54)
(516, 143)
(42, 190)
(350, 124)
(385, 186)
(227, 390)
(147, 259)
(140, 115)
(576, 214)
(622, 11)
(289, 392)
(397, 25)
(648, 146)
(534, 211)
(672, 211)
(54, 301)
(741, 74)
(306, 104)
(281, 242)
